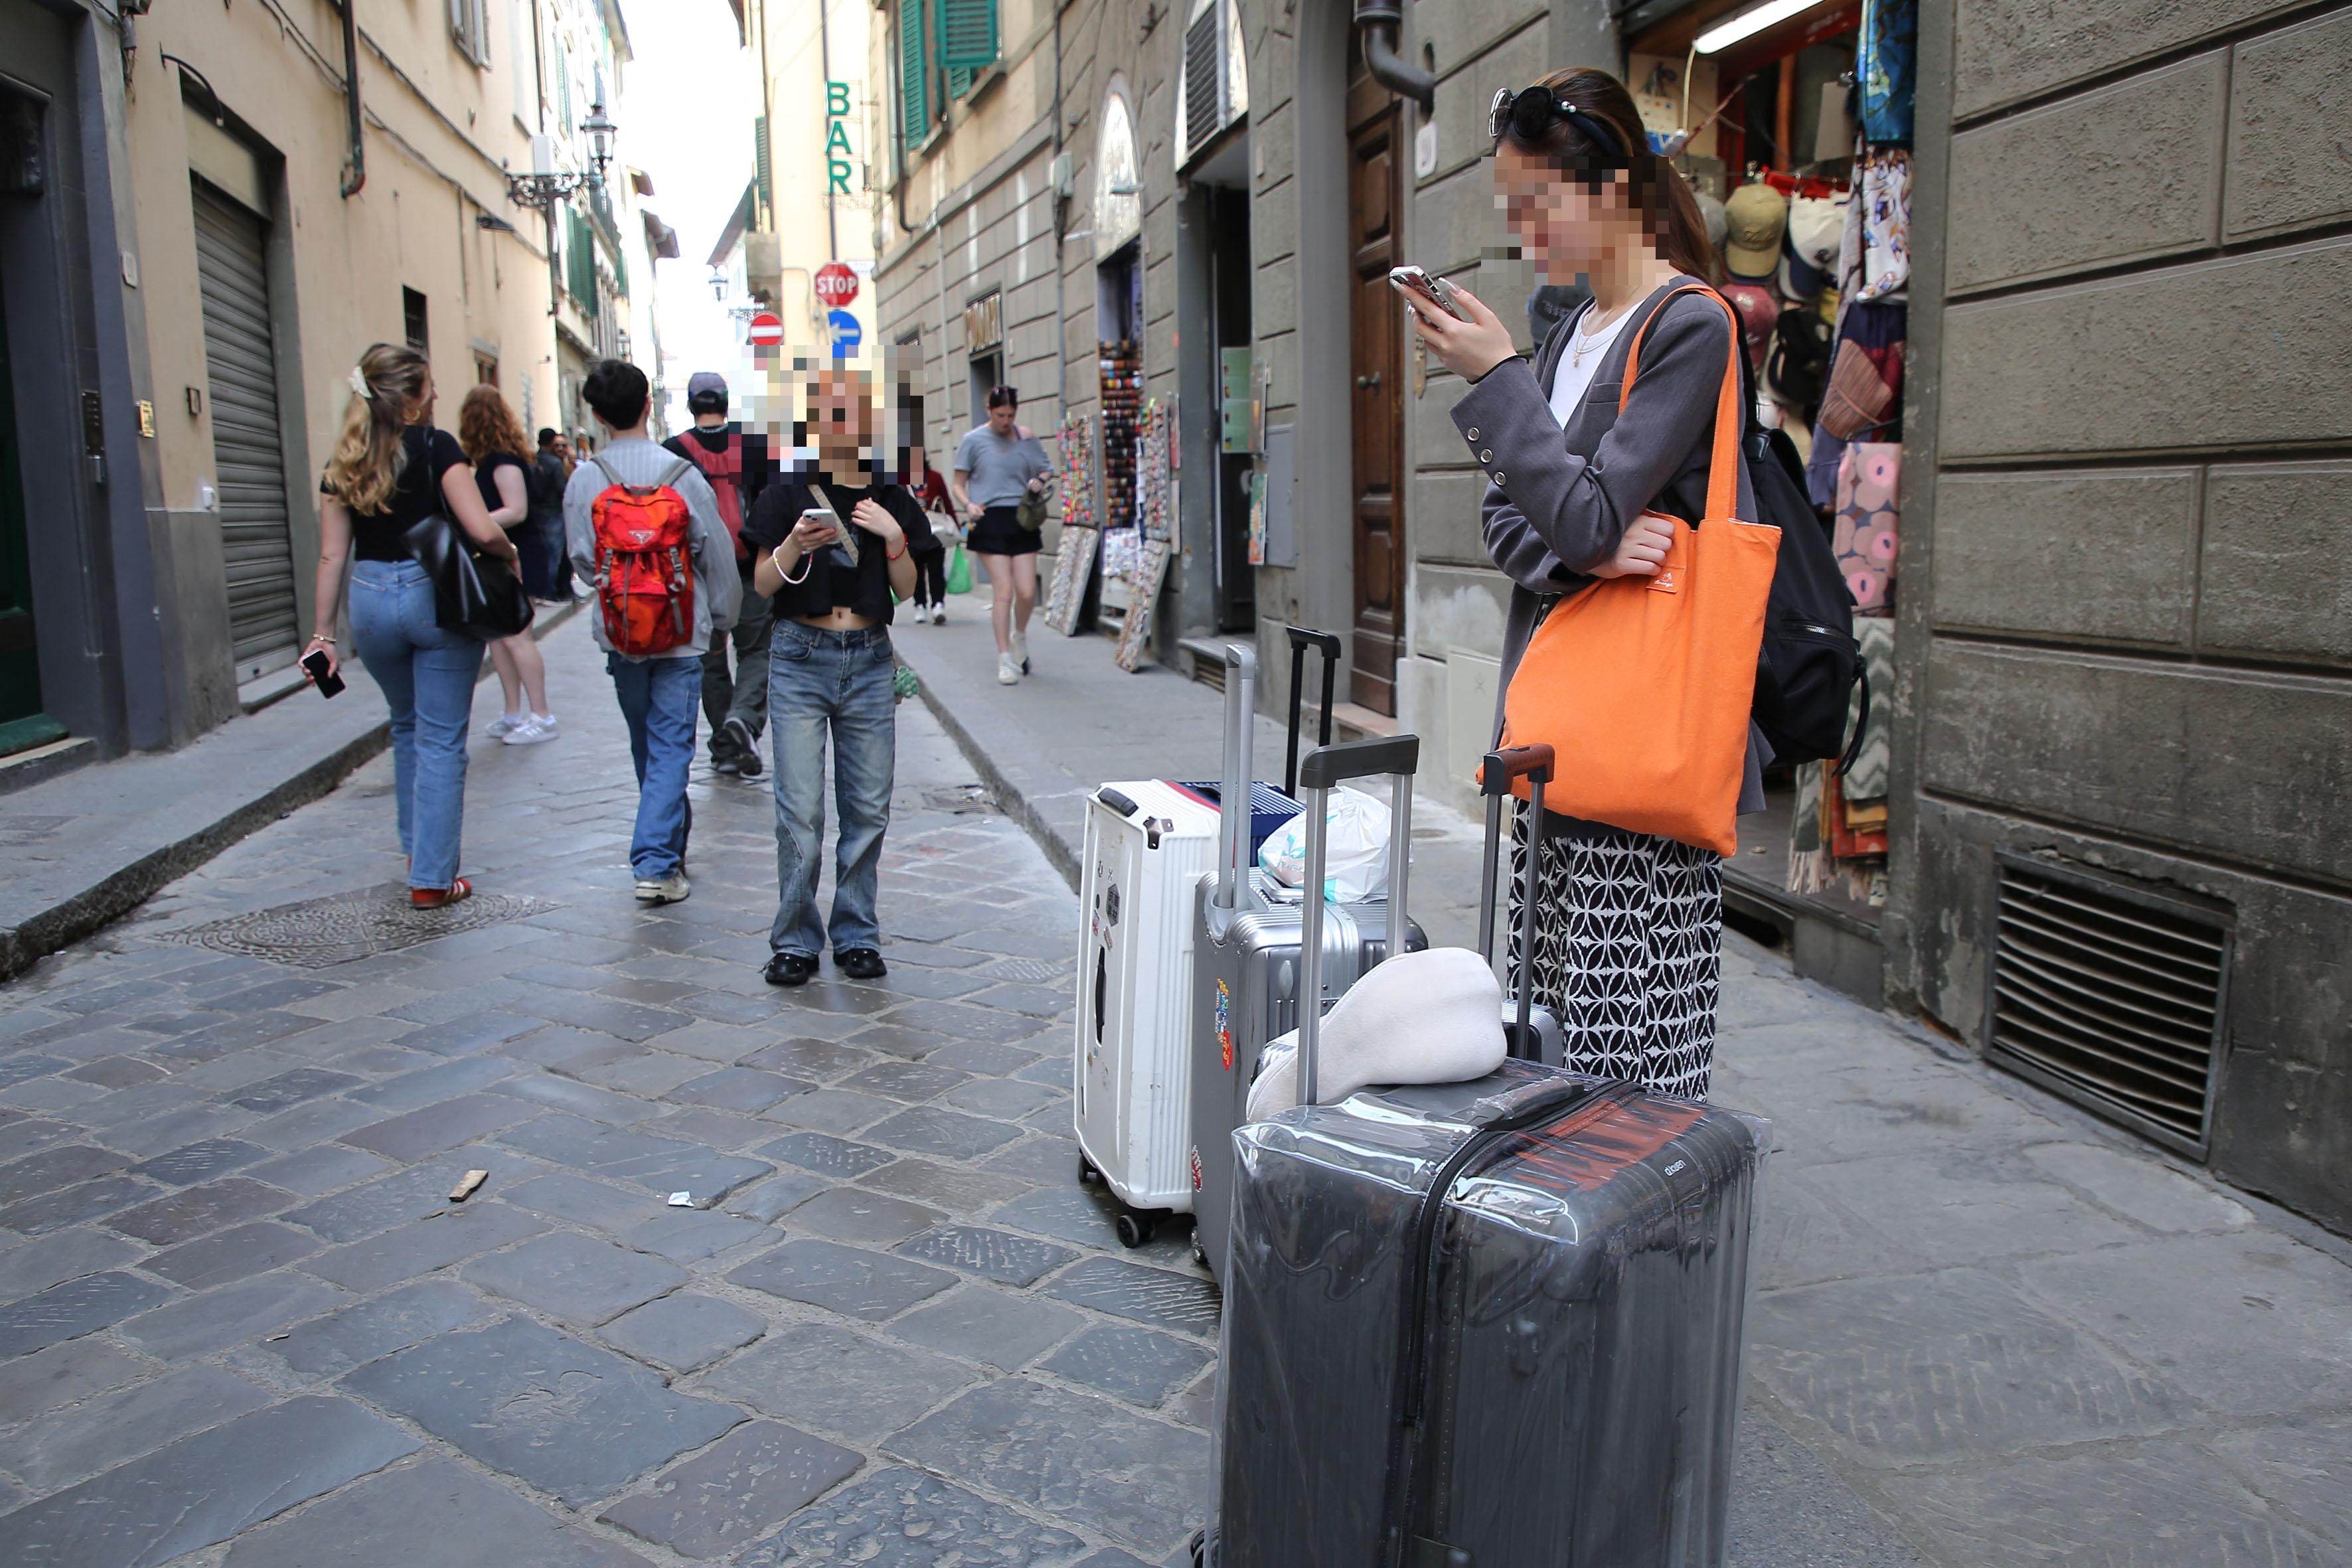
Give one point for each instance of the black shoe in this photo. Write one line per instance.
(860, 964)
(726, 762)
(747, 749)
(789, 969)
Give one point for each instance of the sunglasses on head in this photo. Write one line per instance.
(1526, 117)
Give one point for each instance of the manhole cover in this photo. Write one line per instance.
(1029, 971)
(341, 927)
(960, 798)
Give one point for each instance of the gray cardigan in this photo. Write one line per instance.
(1558, 501)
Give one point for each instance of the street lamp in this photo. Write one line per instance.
(545, 190)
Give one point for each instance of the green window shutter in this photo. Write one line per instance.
(958, 80)
(760, 163)
(579, 262)
(967, 34)
(914, 73)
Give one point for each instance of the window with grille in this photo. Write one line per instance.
(415, 329)
(1211, 78)
(2111, 995)
(469, 28)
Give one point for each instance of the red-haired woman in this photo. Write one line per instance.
(492, 438)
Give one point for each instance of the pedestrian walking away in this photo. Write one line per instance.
(391, 470)
(492, 438)
(546, 568)
(1628, 926)
(738, 467)
(997, 464)
(643, 525)
(931, 566)
(836, 543)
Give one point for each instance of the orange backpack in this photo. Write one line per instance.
(645, 561)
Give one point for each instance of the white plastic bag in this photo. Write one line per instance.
(1356, 849)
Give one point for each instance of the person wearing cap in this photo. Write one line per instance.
(997, 463)
(738, 467)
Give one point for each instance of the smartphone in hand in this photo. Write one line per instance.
(323, 674)
(1415, 283)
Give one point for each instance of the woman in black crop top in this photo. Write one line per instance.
(391, 470)
(830, 673)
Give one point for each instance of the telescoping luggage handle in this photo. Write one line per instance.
(1533, 763)
(1239, 784)
(1320, 772)
(1234, 795)
(1301, 639)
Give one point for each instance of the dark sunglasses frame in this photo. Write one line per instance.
(1526, 116)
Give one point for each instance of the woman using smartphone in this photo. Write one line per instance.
(391, 470)
(834, 548)
(492, 438)
(1628, 927)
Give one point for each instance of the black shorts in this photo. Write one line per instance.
(999, 532)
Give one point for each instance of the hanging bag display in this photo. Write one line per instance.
(1641, 686)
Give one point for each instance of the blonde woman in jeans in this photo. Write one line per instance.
(391, 470)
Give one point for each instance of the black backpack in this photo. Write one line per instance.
(1806, 673)
(1798, 367)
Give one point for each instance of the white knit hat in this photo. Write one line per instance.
(1434, 1016)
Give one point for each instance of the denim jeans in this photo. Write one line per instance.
(427, 676)
(837, 683)
(657, 698)
(743, 695)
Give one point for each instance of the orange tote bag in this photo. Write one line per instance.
(1642, 685)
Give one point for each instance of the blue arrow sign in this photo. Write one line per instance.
(846, 333)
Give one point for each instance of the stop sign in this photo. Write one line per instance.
(836, 285)
(767, 329)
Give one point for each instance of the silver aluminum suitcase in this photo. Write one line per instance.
(1483, 1325)
(1245, 962)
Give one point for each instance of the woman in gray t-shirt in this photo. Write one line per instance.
(996, 463)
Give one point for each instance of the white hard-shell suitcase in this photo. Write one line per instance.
(1147, 844)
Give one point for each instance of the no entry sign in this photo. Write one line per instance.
(767, 329)
(836, 285)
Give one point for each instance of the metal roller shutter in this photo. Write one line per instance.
(248, 456)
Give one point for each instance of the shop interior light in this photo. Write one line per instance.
(1749, 23)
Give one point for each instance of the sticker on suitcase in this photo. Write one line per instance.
(1225, 1044)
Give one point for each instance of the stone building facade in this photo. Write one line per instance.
(201, 228)
(2123, 722)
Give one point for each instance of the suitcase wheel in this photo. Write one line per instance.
(1200, 1253)
(1087, 1175)
(1134, 1228)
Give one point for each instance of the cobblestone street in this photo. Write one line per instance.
(240, 1307)
(243, 1324)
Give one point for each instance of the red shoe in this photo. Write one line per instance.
(456, 892)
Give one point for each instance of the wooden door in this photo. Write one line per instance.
(1376, 355)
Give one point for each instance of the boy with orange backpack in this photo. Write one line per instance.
(643, 526)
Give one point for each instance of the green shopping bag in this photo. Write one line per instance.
(959, 573)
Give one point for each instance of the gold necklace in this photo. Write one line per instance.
(1581, 343)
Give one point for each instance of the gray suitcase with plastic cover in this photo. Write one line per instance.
(1496, 1325)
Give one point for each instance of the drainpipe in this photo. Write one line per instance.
(1382, 23)
(356, 175)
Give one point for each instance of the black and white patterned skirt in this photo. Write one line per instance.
(1628, 945)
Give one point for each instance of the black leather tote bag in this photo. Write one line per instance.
(472, 593)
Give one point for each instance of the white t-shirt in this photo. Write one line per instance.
(1572, 380)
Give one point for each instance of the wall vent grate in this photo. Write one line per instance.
(2112, 997)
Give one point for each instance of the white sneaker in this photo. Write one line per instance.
(1008, 672)
(670, 889)
(938, 615)
(498, 728)
(533, 729)
(1021, 651)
